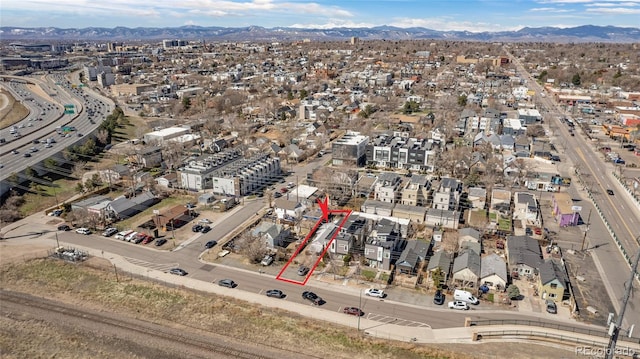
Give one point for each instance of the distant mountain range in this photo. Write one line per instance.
(587, 33)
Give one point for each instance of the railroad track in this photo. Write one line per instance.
(211, 345)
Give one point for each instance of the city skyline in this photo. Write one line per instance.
(458, 15)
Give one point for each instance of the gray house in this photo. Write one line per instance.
(466, 269)
(440, 260)
(524, 255)
(493, 272)
(413, 254)
(122, 207)
(273, 234)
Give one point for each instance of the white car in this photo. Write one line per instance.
(374, 292)
(458, 304)
(84, 231)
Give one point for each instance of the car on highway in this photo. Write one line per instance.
(353, 311)
(178, 271)
(303, 270)
(83, 230)
(227, 283)
(110, 232)
(210, 244)
(610, 192)
(275, 293)
(374, 292)
(312, 297)
(15, 152)
(438, 298)
(27, 154)
(459, 305)
(160, 242)
(64, 227)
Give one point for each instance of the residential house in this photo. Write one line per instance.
(477, 196)
(399, 151)
(493, 272)
(170, 180)
(383, 245)
(524, 255)
(468, 234)
(522, 147)
(466, 269)
(274, 235)
(387, 187)
(440, 260)
(447, 196)
(147, 157)
(416, 191)
(412, 257)
(288, 210)
(500, 207)
(526, 209)
(365, 186)
(553, 280)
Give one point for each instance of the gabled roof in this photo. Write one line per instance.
(469, 259)
(413, 252)
(524, 250)
(552, 270)
(493, 264)
(440, 259)
(471, 232)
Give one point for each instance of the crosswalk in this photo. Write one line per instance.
(397, 321)
(164, 267)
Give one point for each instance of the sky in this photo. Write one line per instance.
(469, 15)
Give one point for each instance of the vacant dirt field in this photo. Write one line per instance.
(10, 111)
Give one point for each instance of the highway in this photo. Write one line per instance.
(618, 209)
(12, 153)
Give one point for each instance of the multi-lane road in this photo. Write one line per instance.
(45, 120)
(618, 209)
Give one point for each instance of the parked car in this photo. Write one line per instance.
(147, 239)
(374, 292)
(551, 307)
(110, 232)
(205, 221)
(610, 192)
(275, 293)
(205, 229)
(267, 260)
(83, 230)
(178, 271)
(459, 305)
(131, 236)
(284, 190)
(122, 235)
(196, 228)
(64, 227)
(210, 244)
(438, 298)
(312, 297)
(528, 231)
(353, 311)
(303, 270)
(277, 195)
(227, 283)
(160, 242)
(139, 238)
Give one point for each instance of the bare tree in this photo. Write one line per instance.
(253, 247)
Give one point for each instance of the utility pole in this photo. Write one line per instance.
(584, 239)
(614, 328)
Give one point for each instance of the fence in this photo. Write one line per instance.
(565, 328)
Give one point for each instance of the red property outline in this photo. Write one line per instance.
(325, 218)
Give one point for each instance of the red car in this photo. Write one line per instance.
(284, 190)
(147, 239)
(353, 311)
(537, 231)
